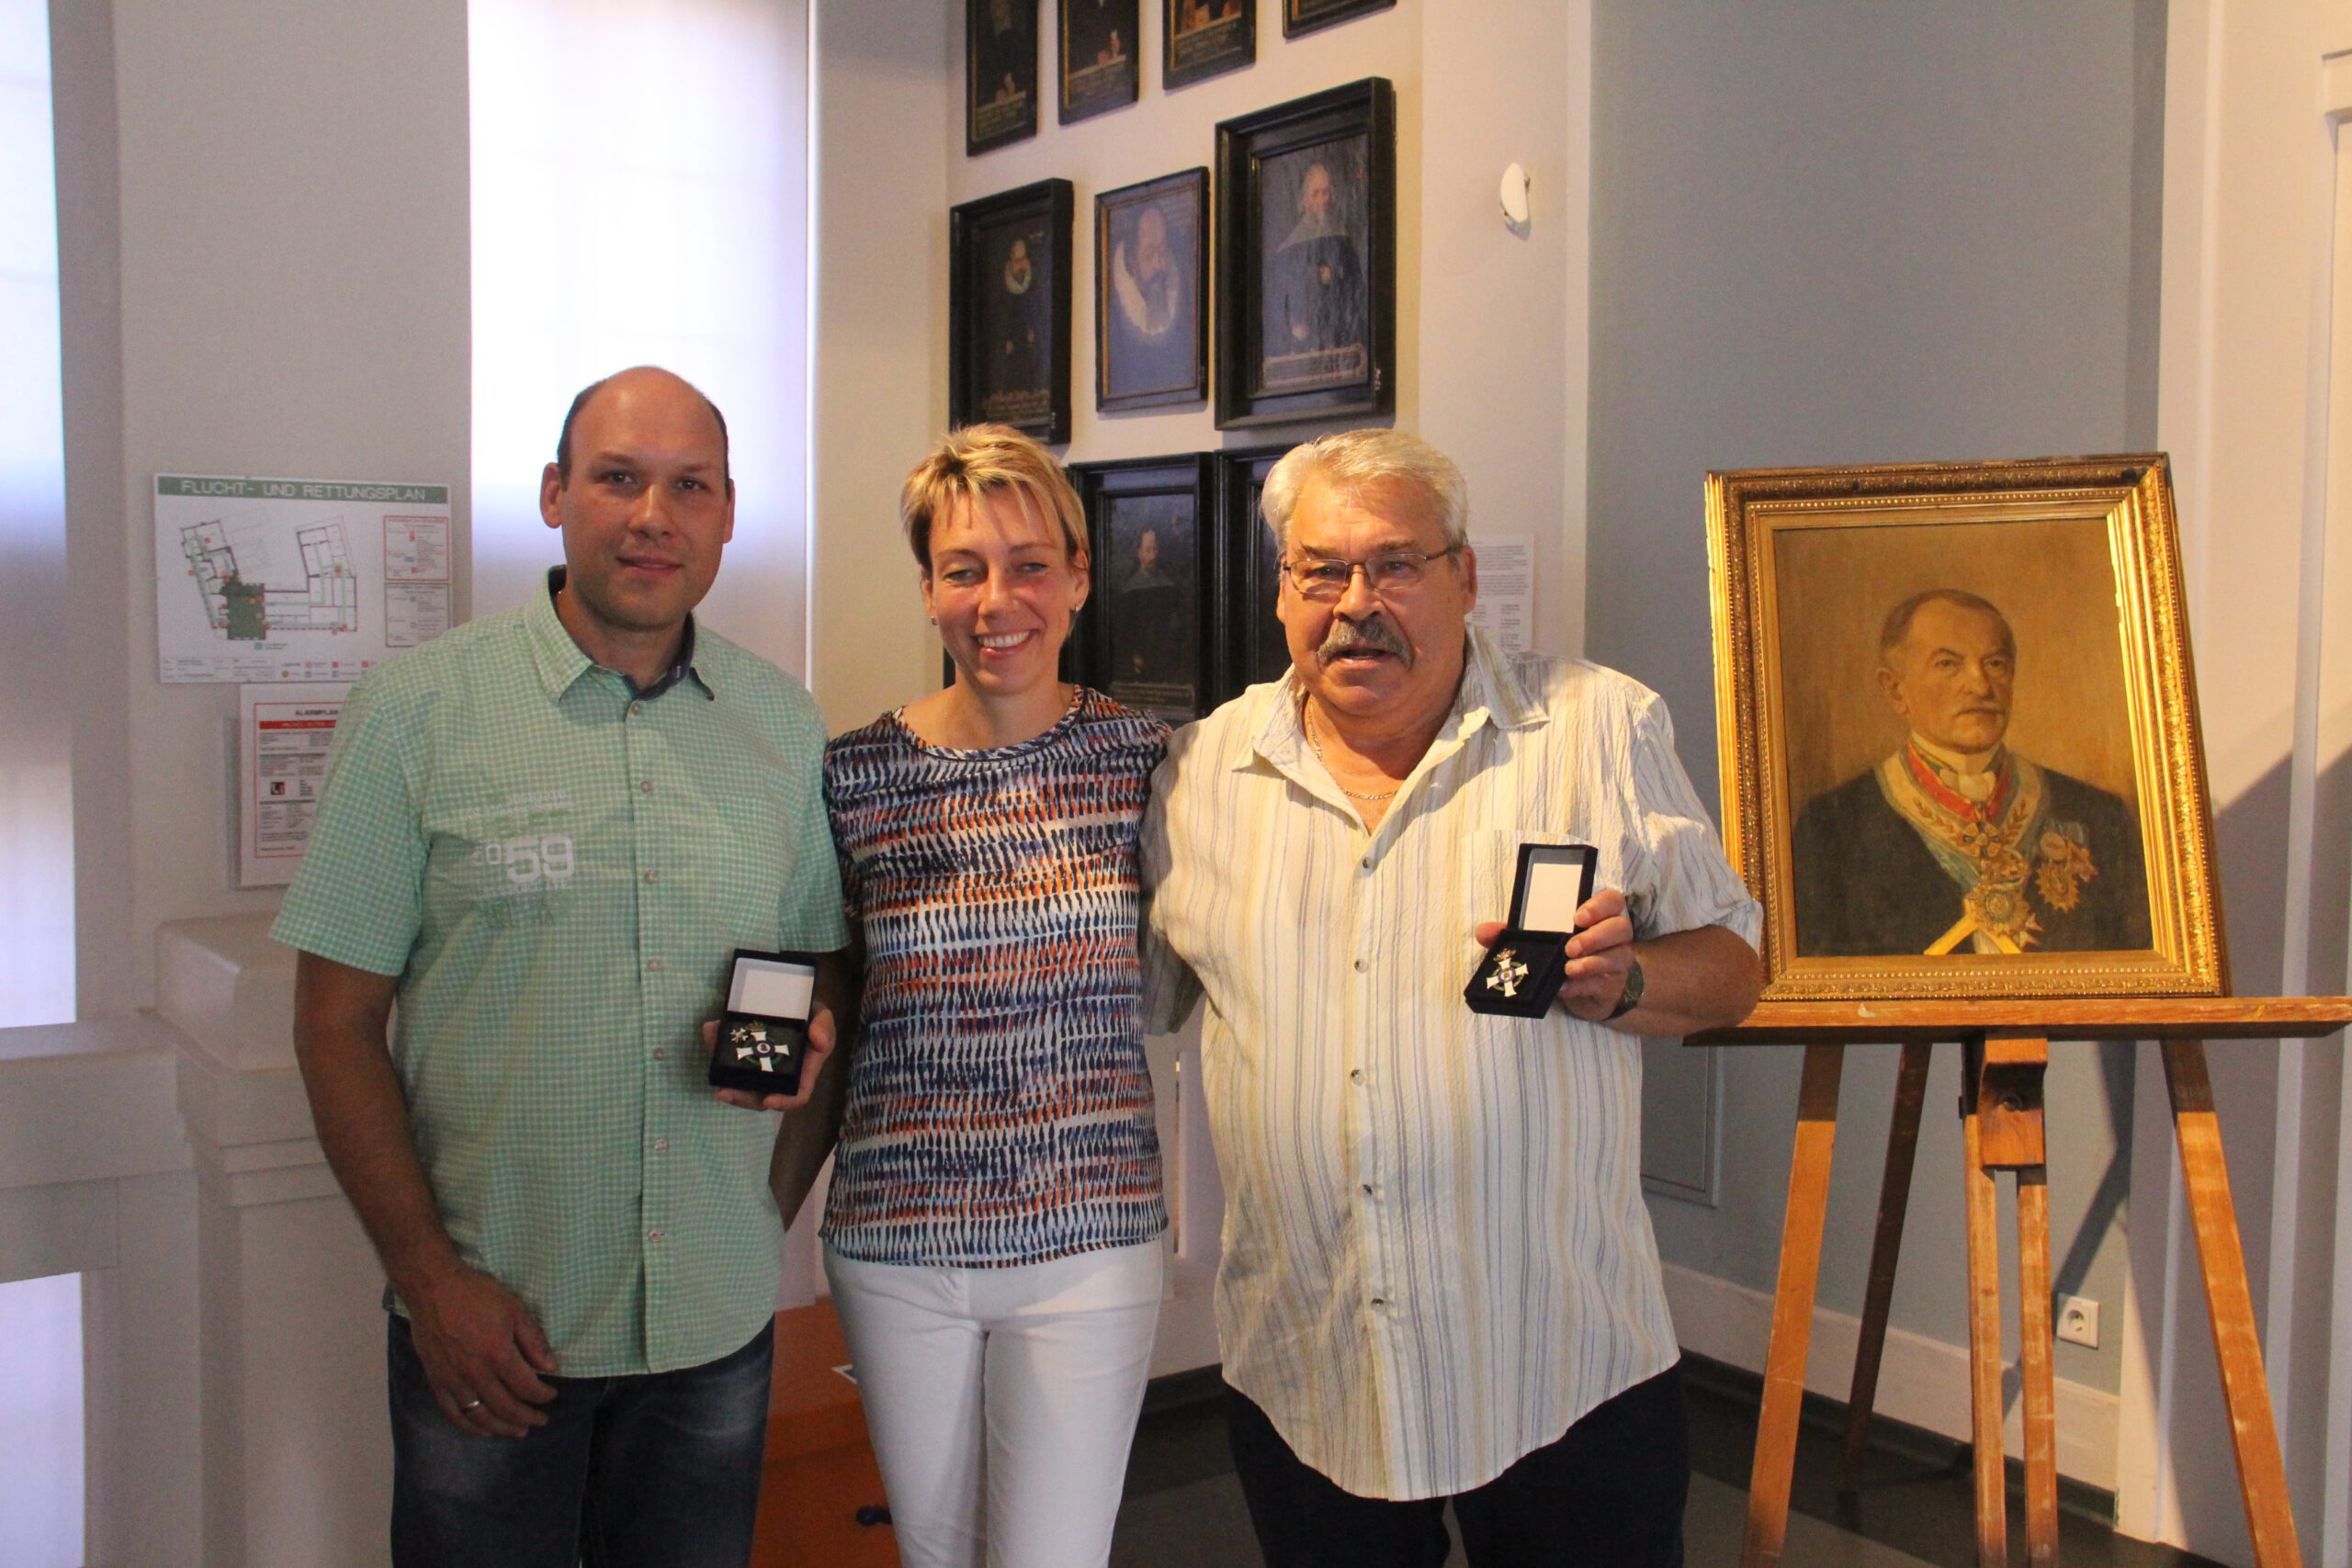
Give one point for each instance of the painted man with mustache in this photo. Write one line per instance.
(1438, 1282)
(1955, 843)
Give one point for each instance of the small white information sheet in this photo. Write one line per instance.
(416, 579)
(295, 579)
(284, 732)
(1506, 609)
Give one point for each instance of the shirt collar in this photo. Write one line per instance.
(1490, 693)
(1492, 690)
(1952, 762)
(561, 661)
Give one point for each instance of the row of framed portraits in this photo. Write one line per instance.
(1096, 63)
(1302, 243)
(1180, 617)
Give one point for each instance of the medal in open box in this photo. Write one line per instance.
(1523, 970)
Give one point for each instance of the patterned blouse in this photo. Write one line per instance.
(1000, 1109)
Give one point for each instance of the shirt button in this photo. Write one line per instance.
(1377, 1300)
(637, 707)
(1367, 862)
(645, 785)
(660, 1055)
(662, 1146)
(1356, 1076)
(652, 876)
(1367, 1188)
(653, 966)
(1361, 966)
(653, 1235)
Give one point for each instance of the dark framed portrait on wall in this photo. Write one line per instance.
(1959, 735)
(1301, 16)
(1009, 310)
(1150, 524)
(1201, 38)
(1306, 258)
(1249, 637)
(1151, 292)
(1000, 72)
(1100, 56)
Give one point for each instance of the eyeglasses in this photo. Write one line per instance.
(1391, 571)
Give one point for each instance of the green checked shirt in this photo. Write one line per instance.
(559, 868)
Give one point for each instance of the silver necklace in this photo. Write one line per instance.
(1306, 712)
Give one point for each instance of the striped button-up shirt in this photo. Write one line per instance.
(560, 869)
(1436, 1253)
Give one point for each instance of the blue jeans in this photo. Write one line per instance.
(628, 1471)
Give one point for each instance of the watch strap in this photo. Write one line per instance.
(1635, 984)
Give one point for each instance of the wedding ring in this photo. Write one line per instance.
(470, 1404)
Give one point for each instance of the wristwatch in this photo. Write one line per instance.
(1633, 996)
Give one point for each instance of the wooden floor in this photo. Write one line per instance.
(1916, 1508)
(1203, 1525)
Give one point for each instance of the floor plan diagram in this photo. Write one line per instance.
(254, 586)
(271, 579)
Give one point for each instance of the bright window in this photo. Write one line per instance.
(40, 1422)
(36, 794)
(641, 196)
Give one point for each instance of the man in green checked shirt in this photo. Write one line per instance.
(544, 834)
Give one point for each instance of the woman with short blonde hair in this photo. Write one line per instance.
(979, 459)
(992, 1233)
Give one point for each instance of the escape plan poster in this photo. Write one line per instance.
(263, 579)
(284, 730)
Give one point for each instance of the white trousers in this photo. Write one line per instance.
(1002, 1402)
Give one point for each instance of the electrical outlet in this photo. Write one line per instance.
(2079, 1321)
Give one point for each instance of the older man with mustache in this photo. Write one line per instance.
(1439, 1282)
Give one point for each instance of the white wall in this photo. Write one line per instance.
(1853, 232)
(2257, 376)
(265, 255)
(878, 342)
(1503, 328)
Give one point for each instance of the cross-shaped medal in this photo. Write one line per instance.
(1508, 973)
(757, 1050)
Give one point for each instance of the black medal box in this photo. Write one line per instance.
(764, 1030)
(1523, 970)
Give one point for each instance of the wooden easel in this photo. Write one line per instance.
(2007, 1048)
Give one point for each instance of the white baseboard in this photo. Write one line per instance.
(1923, 1382)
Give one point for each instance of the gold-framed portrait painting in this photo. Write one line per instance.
(1958, 730)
